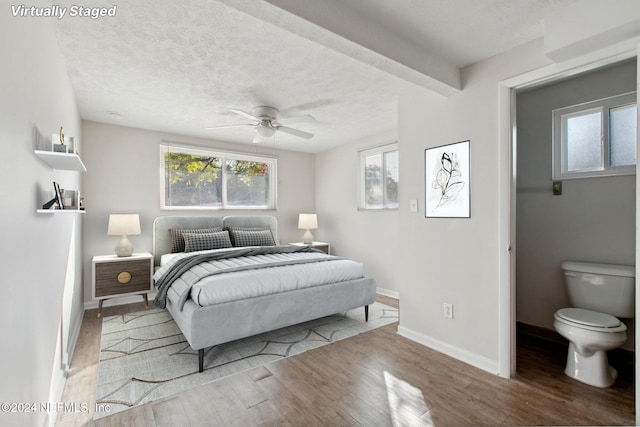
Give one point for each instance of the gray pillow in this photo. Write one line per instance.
(205, 241)
(177, 241)
(251, 236)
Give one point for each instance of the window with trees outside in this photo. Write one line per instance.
(596, 138)
(199, 178)
(378, 188)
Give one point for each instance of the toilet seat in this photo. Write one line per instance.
(589, 320)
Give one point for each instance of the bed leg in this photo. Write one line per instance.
(366, 313)
(201, 360)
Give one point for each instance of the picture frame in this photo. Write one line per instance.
(448, 181)
(58, 192)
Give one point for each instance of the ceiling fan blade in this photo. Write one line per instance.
(245, 114)
(295, 132)
(296, 119)
(230, 126)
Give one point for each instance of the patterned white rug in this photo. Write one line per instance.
(145, 357)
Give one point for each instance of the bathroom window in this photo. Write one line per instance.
(596, 138)
(379, 178)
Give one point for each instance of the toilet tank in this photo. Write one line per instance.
(607, 288)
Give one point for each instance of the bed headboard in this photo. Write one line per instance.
(162, 225)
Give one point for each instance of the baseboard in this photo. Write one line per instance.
(74, 334)
(458, 353)
(93, 304)
(388, 293)
(540, 332)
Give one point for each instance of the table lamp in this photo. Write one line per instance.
(124, 225)
(307, 222)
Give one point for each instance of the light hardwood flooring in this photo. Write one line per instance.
(372, 379)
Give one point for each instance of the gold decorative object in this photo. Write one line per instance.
(57, 142)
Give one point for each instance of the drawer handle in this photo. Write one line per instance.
(124, 277)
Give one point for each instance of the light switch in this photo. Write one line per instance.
(413, 205)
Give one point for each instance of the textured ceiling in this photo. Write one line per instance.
(179, 67)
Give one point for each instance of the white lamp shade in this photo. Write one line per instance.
(123, 225)
(308, 221)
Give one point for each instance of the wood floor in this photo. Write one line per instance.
(374, 379)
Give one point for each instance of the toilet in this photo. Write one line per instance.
(599, 294)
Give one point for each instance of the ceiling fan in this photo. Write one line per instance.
(266, 123)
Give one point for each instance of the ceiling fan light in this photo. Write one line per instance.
(265, 131)
(257, 138)
(262, 136)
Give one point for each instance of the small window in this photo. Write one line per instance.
(198, 178)
(595, 139)
(379, 177)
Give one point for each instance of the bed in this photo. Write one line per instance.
(257, 285)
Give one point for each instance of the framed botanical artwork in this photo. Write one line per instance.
(447, 181)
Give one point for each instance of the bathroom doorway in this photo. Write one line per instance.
(584, 219)
(602, 226)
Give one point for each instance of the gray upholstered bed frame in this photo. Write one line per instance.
(205, 327)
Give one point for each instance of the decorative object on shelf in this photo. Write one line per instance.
(307, 222)
(57, 142)
(447, 181)
(70, 199)
(124, 225)
(59, 195)
(57, 198)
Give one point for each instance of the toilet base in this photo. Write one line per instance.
(593, 370)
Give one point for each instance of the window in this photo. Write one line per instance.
(595, 139)
(379, 177)
(198, 178)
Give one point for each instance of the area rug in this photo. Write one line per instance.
(145, 357)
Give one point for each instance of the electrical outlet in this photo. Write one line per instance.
(448, 310)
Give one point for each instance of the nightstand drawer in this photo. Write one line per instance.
(121, 277)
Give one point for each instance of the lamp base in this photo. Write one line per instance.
(307, 239)
(124, 247)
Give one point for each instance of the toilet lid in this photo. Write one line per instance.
(588, 317)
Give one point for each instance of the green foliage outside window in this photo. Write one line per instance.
(201, 181)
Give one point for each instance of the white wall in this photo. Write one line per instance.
(456, 260)
(123, 176)
(370, 237)
(593, 220)
(35, 96)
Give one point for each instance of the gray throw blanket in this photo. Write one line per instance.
(185, 264)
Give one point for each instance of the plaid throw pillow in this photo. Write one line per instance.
(251, 236)
(177, 241)
(205, 241)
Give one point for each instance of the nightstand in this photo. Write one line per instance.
(115, 276)
(324, 247)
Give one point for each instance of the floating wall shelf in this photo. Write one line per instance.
(56, 211)
(62, 161)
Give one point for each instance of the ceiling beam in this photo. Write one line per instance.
(335, 26)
